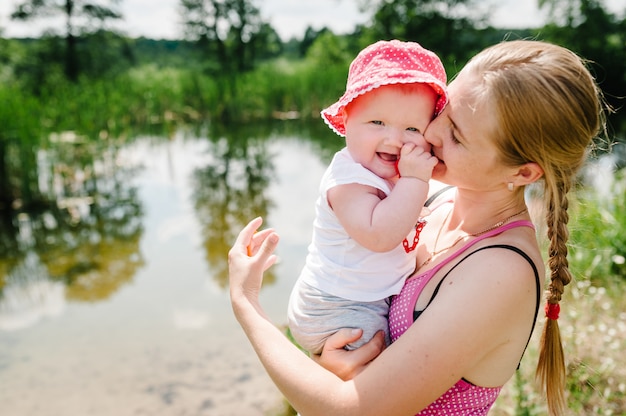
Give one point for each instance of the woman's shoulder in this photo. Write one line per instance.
(519, 242)
(508, 265)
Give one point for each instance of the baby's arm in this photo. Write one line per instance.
(378, 223)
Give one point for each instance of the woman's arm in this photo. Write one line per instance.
(297, 376)
(434, 353)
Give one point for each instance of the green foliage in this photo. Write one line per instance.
(444, 26)
(230, 33)
(162, 53)
(283, 86)
(598, 232)
(329, 49)
(214, 82)
(18, 116)
(19, 138)
(40, 64)
(603, 43)
(597, 258)
(94, 14)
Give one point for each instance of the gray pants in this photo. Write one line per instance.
(315, 315)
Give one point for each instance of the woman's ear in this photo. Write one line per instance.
(527, 173)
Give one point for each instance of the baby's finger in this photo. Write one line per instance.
(407, 148)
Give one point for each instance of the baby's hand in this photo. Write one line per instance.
(415, 162)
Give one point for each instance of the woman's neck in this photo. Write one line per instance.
(472, 213)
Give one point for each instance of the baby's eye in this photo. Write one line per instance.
(377, 122)
(413, 129)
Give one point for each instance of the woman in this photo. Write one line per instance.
(518, 112)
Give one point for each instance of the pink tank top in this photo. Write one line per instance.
(464, 398)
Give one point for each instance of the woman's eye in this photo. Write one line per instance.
(454, 139)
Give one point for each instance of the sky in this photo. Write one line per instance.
(158, 19)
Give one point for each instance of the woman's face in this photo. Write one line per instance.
(462, 139)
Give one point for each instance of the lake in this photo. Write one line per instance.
(135, 319)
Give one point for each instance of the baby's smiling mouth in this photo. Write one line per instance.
(388, 157)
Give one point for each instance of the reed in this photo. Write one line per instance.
(149, 95)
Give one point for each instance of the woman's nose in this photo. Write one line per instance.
(431, 136)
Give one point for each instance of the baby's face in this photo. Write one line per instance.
(381, 121)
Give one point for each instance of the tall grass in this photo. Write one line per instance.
(20, 134)
(282, 86)
(150, 95)
(141, 96)
(19, 115)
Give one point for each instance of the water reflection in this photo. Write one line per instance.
(229, 190)
(83, 237)
(112, 293)
(82, 242)
(31, 296)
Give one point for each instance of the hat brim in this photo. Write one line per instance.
(333, 115)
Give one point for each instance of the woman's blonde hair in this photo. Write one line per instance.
(548, 110)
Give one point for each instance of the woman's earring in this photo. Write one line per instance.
(510, 186)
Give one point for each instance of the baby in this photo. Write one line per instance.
(371, 195)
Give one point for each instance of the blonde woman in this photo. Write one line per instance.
(520, 112)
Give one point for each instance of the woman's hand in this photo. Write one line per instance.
(251, 255)
(347, 364)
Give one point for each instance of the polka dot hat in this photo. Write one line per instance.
(385, 63)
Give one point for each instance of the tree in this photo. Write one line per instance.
(265, 43)
(602, 44)
(444, 26)
(226, 31)
(310, 35)
(92, 14)
(231, 36)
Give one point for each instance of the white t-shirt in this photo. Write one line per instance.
(336, 263)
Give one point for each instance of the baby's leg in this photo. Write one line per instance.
(315, 315)
(371, 317)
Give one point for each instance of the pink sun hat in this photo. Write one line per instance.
(385, 63)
